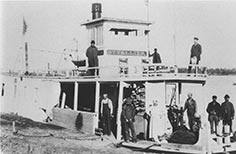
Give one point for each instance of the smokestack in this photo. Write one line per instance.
(96, 10)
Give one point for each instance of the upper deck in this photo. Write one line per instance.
(127, 73)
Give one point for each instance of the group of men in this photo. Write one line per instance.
(216, 112)
(127, 117)
(92, 54)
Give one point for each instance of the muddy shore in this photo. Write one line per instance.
(40, 138)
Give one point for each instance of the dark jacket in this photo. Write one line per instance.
(196, 51)
(227, 109)
(191, 107)
(92, 54)
(214, 109)
(128, 110)
(156, 57)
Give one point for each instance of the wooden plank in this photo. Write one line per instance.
(154, 146)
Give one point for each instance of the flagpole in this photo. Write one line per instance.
(148, 45)
(174, 36)
(25, 45)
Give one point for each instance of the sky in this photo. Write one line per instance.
(55, 25)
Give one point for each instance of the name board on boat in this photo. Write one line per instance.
(126, 53)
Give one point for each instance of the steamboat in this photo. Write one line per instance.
(71, 98)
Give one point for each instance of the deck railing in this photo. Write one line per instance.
(117, 71)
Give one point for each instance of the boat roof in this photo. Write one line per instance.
(103, 19)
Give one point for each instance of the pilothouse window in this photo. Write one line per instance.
(125, 32)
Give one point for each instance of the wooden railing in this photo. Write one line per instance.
(116, 71)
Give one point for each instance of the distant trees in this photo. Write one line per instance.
(214, 71)
(221, 71)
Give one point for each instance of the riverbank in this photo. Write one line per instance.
(36, 138)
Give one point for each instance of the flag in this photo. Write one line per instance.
(24, 26)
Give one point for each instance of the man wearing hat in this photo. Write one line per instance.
(191, 107)
(227, 112)
(106, 113)
(214, 113)
(156, 57)
(128, 118)
(196, 52)
(92, 54)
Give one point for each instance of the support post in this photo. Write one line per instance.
(76, 96)
(63, 101)
(97, 95)
(120, 102)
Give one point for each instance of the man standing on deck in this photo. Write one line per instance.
(92, 54)
(191, 107)
(214, 113)
(227, 112)
(156, 57)
(106, 113)
(195, 55)
(128, 118)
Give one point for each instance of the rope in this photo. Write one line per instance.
(16, 60)
(50, 51)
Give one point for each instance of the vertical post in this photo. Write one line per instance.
(48, 68)
(26, 59)
(177, 93)
(76, 48)
(14, 101)
(76, 96)
(148, 36)
(174, 35)
(145, 121)
(63, 101)
(120, 102)
(97, 95)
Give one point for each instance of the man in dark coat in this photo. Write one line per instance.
(214, 113)
(156, 57)
(227, 112)
(92, 54)
(191, 107)
(196, 52)
(128, 118)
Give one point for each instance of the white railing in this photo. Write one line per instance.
(117, 71)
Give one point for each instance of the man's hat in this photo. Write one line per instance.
(92, 42)
(195, 38)
(226, 96)
(214, 96)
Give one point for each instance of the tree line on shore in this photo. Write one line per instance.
(215, 71)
